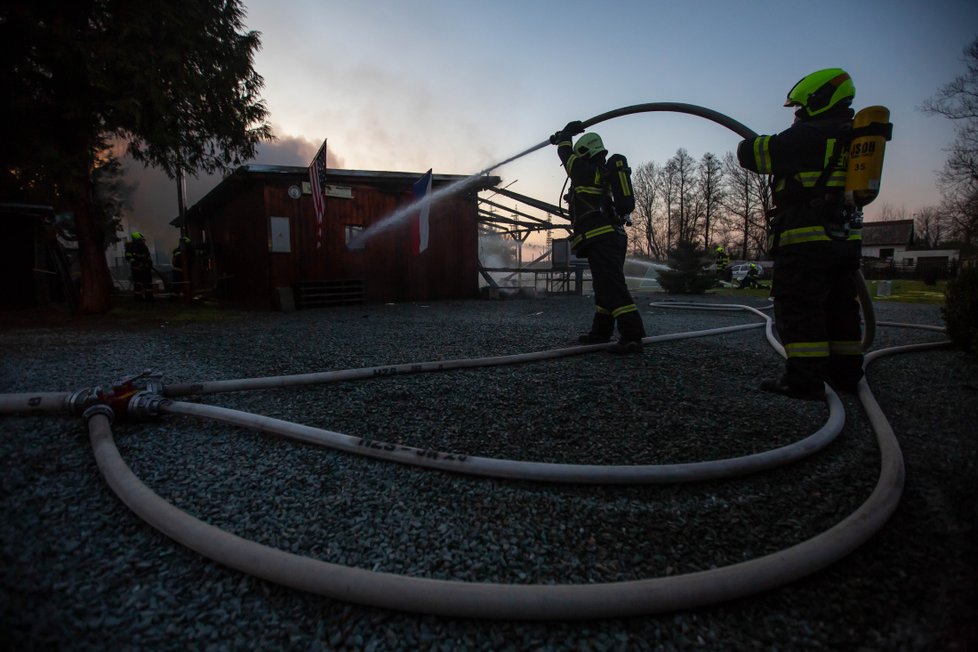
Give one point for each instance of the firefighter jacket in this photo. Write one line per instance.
(137, 255)
(591, 208)
(722, 260)
(807, 163)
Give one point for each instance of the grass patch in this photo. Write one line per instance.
(910, 291)
(901, 291)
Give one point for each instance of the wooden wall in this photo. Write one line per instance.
(249, 273)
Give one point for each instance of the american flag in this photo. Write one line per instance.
(317, 178)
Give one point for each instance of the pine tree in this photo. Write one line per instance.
(173, 79)
(686, 273)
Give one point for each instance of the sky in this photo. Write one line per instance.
(459, 86)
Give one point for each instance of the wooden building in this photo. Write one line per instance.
(259, 244)
(34, 266)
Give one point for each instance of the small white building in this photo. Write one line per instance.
(885, 240)
(893, 242)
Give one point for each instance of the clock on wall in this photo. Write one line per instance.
(294, 192)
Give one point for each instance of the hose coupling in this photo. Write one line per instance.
(77, 402)
(145, 405)
(98, 408)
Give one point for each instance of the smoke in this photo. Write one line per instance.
(154, 204)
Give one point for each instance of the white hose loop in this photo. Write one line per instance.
(537, 471)
(490, 600)
(515, 602)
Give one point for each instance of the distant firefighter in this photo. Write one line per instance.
(750, 279)
(182, 261)
(723, 263)
(141, 267)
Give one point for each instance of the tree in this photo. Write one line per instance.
(958, 101)
(711, 193)
(172, 79)
(889, 213)
(646, 227)
(668, 190)
(746, 199)
(111, 195)
(687, 273)
(684, 174)
(930, 226)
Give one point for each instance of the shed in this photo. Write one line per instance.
(259, 244)
(34, 268)
(886, 239)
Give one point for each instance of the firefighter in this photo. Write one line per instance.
(750, 279)
(722, 261)
(182, 262)
(599, 236)
(815, 239)
(140, 267)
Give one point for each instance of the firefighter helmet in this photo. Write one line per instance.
(136, 235)
(821, 91)
(719, 250)
(589, 145)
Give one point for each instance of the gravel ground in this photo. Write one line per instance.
(80, 571)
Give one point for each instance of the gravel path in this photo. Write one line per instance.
(80, 571)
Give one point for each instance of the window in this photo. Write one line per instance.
(886, 253)
(351, 232)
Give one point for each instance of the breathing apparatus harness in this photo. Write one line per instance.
(618, 196)
(859, 148)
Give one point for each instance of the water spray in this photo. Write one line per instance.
(677, 107)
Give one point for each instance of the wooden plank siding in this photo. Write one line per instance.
(236, 217)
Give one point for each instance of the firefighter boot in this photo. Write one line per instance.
(602, 326)
(632, 331)
(781, 386)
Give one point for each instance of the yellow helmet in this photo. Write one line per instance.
(589, 145)
(820, 91)
(136, 235)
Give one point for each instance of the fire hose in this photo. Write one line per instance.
(490, 600)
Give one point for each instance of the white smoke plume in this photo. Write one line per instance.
(154, 202)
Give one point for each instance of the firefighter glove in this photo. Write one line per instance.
(573, 128)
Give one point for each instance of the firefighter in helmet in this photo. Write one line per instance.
(182, 262)
(599, 236)
(140, 267)
(815, 240)
(723, 262)
(750, 278)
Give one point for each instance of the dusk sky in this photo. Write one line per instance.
(459, 86)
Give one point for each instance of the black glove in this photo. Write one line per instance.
(573, 128)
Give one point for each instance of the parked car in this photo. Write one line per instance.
(738, 272)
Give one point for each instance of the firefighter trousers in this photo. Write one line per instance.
(612, 300)
(817, 316)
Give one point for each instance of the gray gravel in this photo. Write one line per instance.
(79, 571)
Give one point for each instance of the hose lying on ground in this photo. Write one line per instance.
(520, 602)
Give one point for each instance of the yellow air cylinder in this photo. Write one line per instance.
(866, 156)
